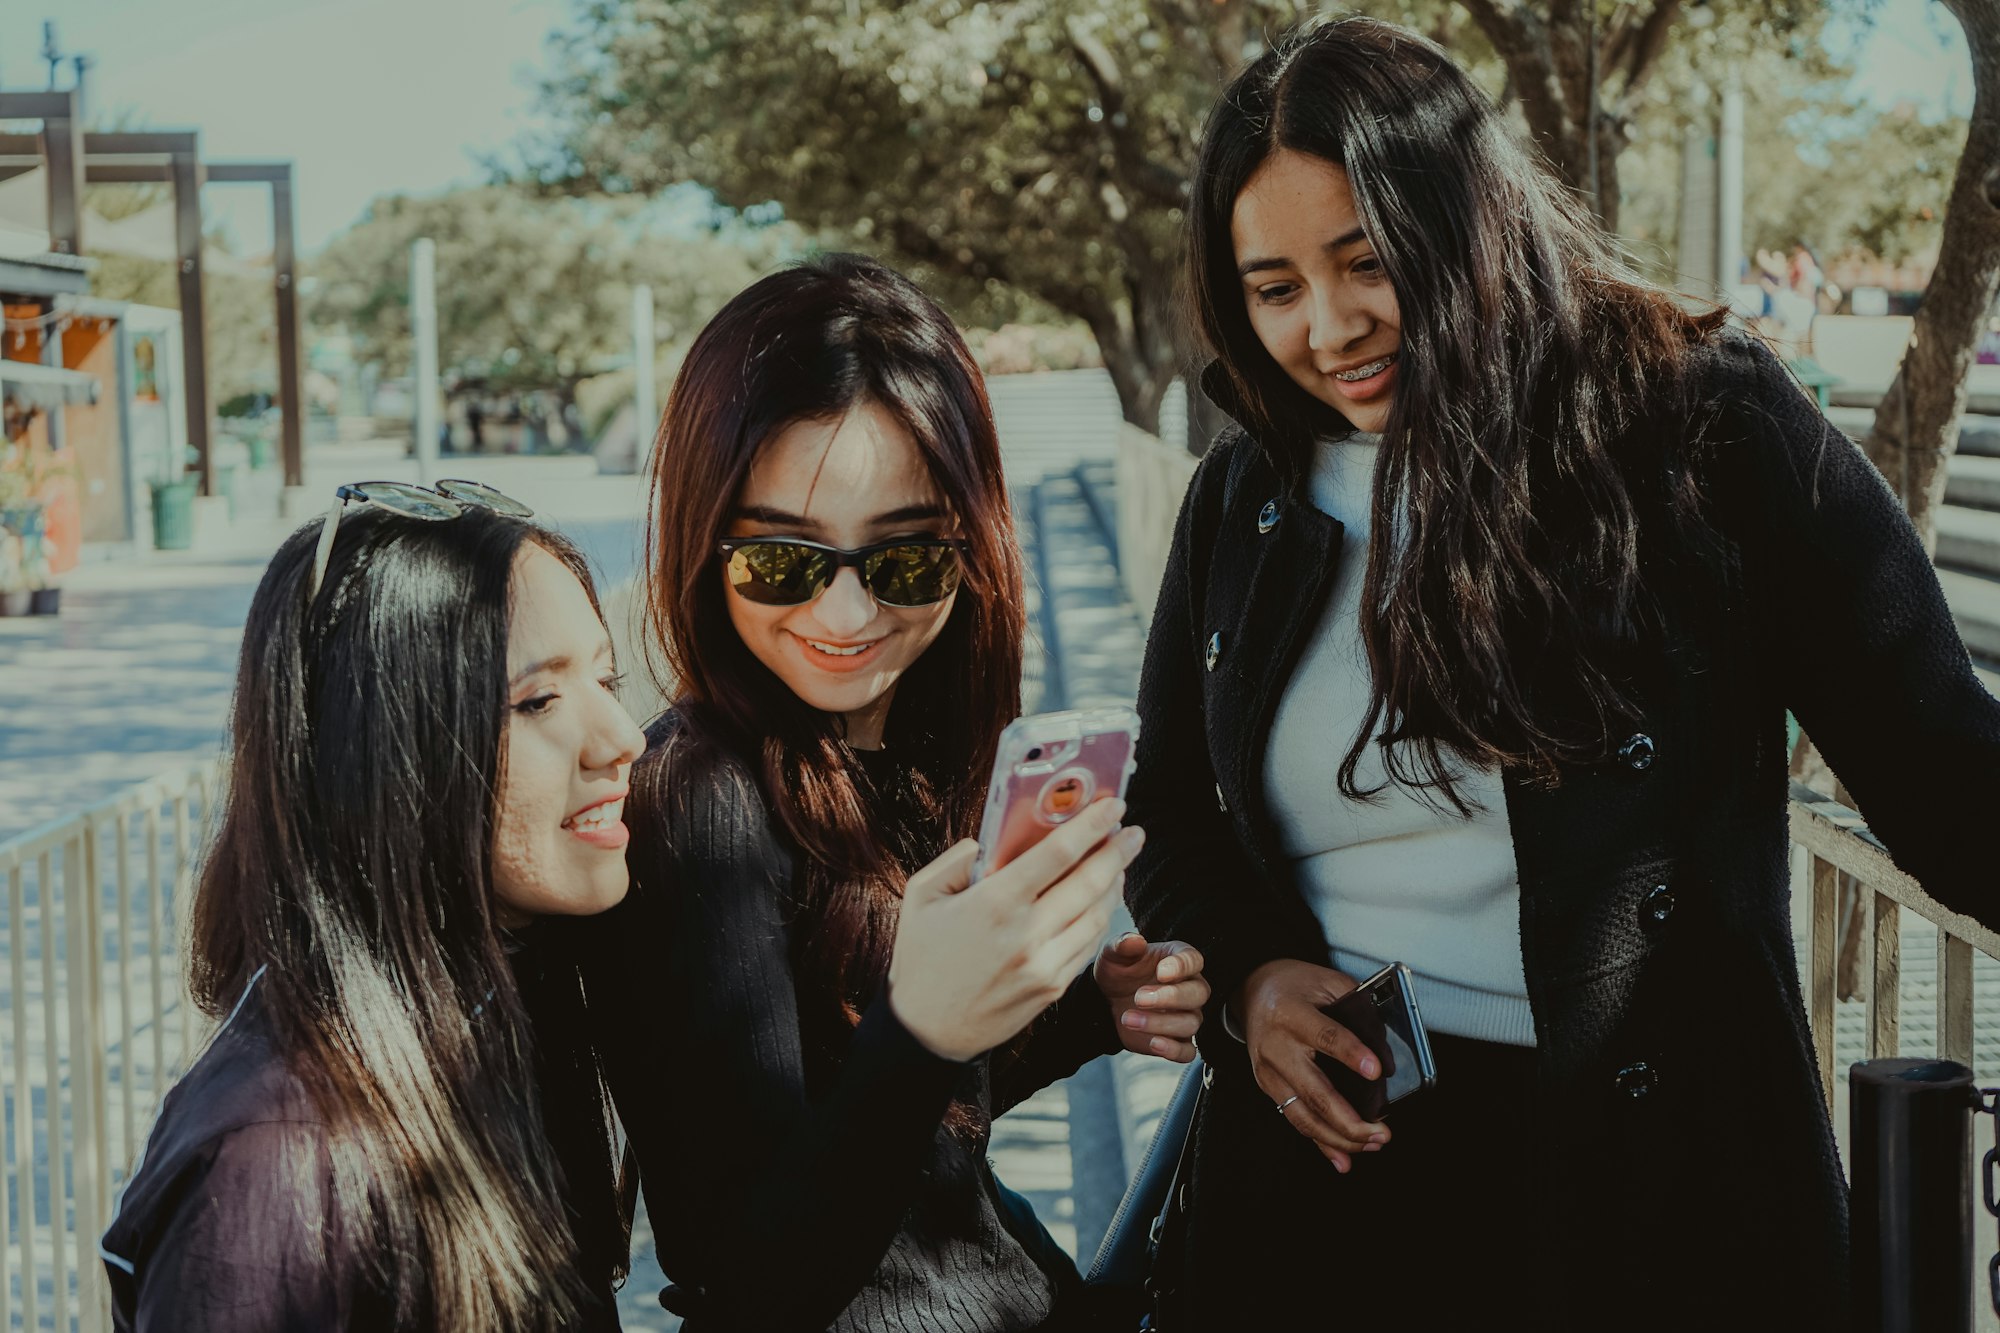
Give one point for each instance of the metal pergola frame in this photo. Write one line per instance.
(74, 158)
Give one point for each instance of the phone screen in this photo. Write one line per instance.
(1406, 1071)
(1403, 1032)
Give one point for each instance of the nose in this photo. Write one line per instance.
(615, 739)
(1337, 324)
(846, 607)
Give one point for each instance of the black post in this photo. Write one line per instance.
(1910, 1132)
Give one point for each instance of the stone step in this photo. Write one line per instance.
(1974, 481)
(1978, 433)
(1975, 604)
(1968, 540)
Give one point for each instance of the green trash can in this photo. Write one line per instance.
(173, 514)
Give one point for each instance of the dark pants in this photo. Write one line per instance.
(1433, 1232)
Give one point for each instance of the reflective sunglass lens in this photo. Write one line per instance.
(913, 575)
(413, 501)
(778, 573)
(473, 492)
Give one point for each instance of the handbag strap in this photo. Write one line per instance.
(1125, 1256)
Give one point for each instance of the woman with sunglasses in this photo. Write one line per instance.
(808, 1018)
(399, 1124)
(1473, 653)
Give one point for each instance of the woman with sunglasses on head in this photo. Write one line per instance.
(399, 1124)
(808, 1017)
(1473, 653)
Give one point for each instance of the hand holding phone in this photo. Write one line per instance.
(1282, 1007)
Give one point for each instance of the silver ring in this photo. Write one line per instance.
(1285, 1105)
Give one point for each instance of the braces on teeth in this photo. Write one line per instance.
(1372, 368)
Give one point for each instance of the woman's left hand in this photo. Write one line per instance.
(1156, 993)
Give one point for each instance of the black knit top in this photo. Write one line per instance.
(788, 1191)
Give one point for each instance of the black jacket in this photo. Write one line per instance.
(790, 1189)
(223, 1225)
(1692, 1177)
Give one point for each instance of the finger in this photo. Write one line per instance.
(1184, 995)
(1028, 874)
(1084, 888)
(949, 874)
(1309, 1117)
(1129, 947)
(1167, 1048)
(1178, 960)
(1077, 943)
(1332, 1112)
(1172, 1024)
(1296, 1105)
(1329, 1038)
(1341, 1161)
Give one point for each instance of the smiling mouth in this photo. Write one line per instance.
(836, 650)
(598, 818)
(1369, 371)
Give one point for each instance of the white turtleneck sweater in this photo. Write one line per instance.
(1392, 879)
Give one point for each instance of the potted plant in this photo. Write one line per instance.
(16, 596)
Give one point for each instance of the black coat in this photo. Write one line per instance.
(1691, 1174)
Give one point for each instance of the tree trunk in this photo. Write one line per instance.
(1140, 380)
(1916, 424)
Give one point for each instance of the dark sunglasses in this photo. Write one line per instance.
(449, 500)
(787, 571)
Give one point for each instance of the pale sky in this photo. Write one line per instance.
(371, 97)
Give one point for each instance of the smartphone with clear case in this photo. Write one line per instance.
(1049, 768)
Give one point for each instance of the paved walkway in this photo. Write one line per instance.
(133, 678)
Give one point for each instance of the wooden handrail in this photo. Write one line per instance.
(1839, 842)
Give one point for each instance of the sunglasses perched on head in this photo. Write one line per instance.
(448, 501)
(789, 571)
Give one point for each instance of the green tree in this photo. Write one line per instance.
(532, 293)
(1044, 145)
(1916, 423)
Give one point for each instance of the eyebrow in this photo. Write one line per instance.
(782, 518)
(562, 662)
(1339, 242)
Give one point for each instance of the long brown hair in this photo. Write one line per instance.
(1504, 554)
(810, 343)
(353, 866)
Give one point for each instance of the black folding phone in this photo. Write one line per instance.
(1382, 1012)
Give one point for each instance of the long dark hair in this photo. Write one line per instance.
(811, 343)
(1504, 552)
(354, 865)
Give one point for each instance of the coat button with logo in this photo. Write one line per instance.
(1214, 649)
(1220, 803)
(1267, 517)
(1637, 1080)
(1637, 752)
(1656, 907)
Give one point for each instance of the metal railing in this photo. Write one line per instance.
(97, 1028)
